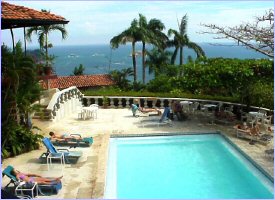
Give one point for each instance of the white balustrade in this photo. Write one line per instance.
(65, 102)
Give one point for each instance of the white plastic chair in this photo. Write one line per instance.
(94, 113)
(80, 112)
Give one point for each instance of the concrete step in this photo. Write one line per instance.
(43, 114)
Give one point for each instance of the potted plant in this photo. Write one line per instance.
(105, 102)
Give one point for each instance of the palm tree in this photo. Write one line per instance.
(43, 33)
(120, 77)
(129, 35)
(180, 40)
(150, 33)
(157, 60)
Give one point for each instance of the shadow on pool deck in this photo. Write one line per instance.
(86, 178)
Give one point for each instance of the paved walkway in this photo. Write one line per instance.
(86, 178)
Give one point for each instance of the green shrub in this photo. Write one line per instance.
(263, 95)
(160, 84)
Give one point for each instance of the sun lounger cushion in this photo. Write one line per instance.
(7, 195)
(84, 142)
(50, 189)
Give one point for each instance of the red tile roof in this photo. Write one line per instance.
(20, 16)
(82, 81)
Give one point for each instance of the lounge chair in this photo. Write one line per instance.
(252, 135)
(269, 153)
(42, 188)
(8, 195)
(156, 121)
(137, 112)
(82, 142)
(69, 156)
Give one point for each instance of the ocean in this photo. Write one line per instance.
(101, 59)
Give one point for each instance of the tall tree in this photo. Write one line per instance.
(43, 34)
(132, 34)
(181, 40)
(20, 89)
(150, 33)
(157, 60)
(120, 77)
(258, 36)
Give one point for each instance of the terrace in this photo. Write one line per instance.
(86, 178)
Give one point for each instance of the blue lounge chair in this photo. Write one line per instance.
(8, 195)
(13, 179)
(69, 156)
(81, 142)
(164, 120)
(42, 188)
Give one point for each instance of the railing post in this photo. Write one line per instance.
(127, 102)
(119, 102)
(112, 103)
(161, 102)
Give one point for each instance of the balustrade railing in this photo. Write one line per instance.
(126, 101)
(64, 102)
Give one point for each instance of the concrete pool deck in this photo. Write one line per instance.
(86, 178)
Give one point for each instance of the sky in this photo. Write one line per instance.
(96, 22)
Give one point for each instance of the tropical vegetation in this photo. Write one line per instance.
(43, 34)
(248, 81)
(181, 40)
(20, 90)
(78, 70)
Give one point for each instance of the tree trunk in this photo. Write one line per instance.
(25, 43)
(143, 62)
(13, 46)
(181, 55)
(134, 61)
(174, 56)
(46, 48)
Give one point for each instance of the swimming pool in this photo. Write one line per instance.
(187, 166)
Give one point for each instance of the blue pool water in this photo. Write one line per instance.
(189, 166)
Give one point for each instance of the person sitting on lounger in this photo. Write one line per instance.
(243, 127)
(31, 178)
(62, 137)
(177, 110)
(254, 131)
(136, 106)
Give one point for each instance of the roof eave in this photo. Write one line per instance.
(19, 23)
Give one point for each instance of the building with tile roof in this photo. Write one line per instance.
(81, 82)
(14, 16)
